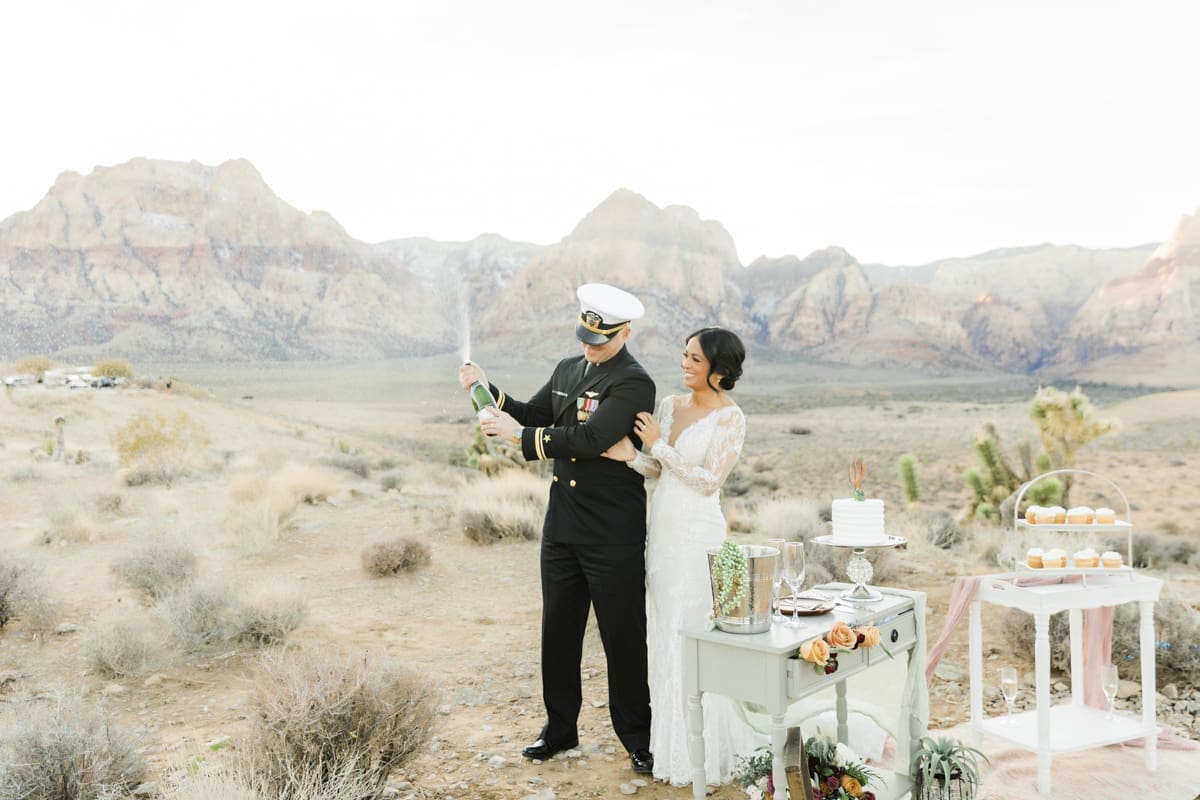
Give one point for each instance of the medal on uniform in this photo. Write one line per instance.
(584, 406)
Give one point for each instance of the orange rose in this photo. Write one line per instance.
(816, 651)
(851, 786)
(841, 636)
(870, 635)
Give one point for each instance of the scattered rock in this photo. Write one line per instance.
(628, 788)
(1127, 689)
(599, 703)
(113, 689)
(638, 782)
(1059, 686)
(497, 761)
(948, 672)
(154, 680)
(147, 789)
(1171, 691)
(65, 628)
(544, 794)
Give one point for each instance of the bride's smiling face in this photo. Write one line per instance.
(696, 368)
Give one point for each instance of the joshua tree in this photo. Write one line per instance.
(1066, 422)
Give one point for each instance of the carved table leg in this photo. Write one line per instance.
(1041, 656)
(695, 716)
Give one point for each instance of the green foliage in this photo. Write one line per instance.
(908, 476)
(986, 512)
(34, 365)
(974, 480)
(752, 768)
(113, 368)
(159, 445)
(1044, 464)
(730, 575)
(1065, 423)
(1046, 492)
(938, 761)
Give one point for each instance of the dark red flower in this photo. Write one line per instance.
(833, 782)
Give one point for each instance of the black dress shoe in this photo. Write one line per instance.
(642, 761)
(542, 751)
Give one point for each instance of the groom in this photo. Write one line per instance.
(594, 535)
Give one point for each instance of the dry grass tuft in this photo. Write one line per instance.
(395, 556)
(120, 645)
(62, 749)
(65, 525)
(357, 465)
(391, 479)
(113, 368)
(510, 506)
(347, 782)
(260, 511)
(325, 716)
(308, 484)
(34, 365)
(157, 567)
(794, 519)
(159, 449)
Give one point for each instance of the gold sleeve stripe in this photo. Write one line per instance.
(537, 444)
(500, 399)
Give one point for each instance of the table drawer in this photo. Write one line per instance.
(803, 678)
(896, 634)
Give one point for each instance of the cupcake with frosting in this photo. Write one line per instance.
(1054, 559)
(1031, 514)
(1086, 558)
(1060, 514)
(1080, 515)
(1105, 516)
(1044, 515)
(1034, 557)
(1111, 559)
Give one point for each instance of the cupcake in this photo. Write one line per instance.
(1105, 516)
(1111, 559)
(1080, 515)
(1034, 557)
(1054, 559)
(1085, 558)
(1044, 516)
(1060, 514)
(1031, 514)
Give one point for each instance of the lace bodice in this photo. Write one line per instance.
(704, 452)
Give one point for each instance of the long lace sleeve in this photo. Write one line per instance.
(719, 460)
(643, 463)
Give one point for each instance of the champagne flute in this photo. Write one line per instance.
(1008, 688)
(1109, 682)
(793, 573)
(776, 580)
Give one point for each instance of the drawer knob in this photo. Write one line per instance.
(895, 637)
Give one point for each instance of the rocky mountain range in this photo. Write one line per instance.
(183, 261)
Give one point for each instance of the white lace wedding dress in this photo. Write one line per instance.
(685, 522)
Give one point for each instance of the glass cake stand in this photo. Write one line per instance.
(859, 569)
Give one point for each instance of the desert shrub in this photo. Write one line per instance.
(740, 515)
(309, 782)
(793, 518)
(395, 555)
(268, 616)
(306, 484)
(354, 464)
(62, 749)
(157, 447)
(34, 365)
(939, 529)
(110, 503)
(67, 525)
(1163, 550)
(508, 507)
(391, 479)
(201, 613)
(320, 713)
(1176, 630)
(25, 475)
(121, 645)
(23, 594)
(157, 566)
(113, 368)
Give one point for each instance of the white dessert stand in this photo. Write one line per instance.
(859, 569)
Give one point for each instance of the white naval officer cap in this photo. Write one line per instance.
(604, 311)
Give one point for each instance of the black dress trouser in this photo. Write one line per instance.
(611, 578)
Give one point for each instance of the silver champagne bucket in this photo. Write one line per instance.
(753, 614)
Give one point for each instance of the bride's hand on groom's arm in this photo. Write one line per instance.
(646, 427)
(621, 451)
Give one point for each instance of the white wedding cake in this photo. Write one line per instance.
(858, 522)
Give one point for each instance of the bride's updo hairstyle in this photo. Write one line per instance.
(725, 353)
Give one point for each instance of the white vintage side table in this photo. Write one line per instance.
(759, 668)
(1049, 731)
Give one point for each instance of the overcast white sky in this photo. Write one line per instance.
(902, 131)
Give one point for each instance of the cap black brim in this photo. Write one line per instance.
(590, 337)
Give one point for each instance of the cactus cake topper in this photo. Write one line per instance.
(858, 471)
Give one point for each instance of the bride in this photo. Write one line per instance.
(693, 440)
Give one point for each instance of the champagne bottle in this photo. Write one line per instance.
(481, 398)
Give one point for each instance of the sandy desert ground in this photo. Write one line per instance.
(470, 619)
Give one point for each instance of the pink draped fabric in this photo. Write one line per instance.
(1097, 643)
